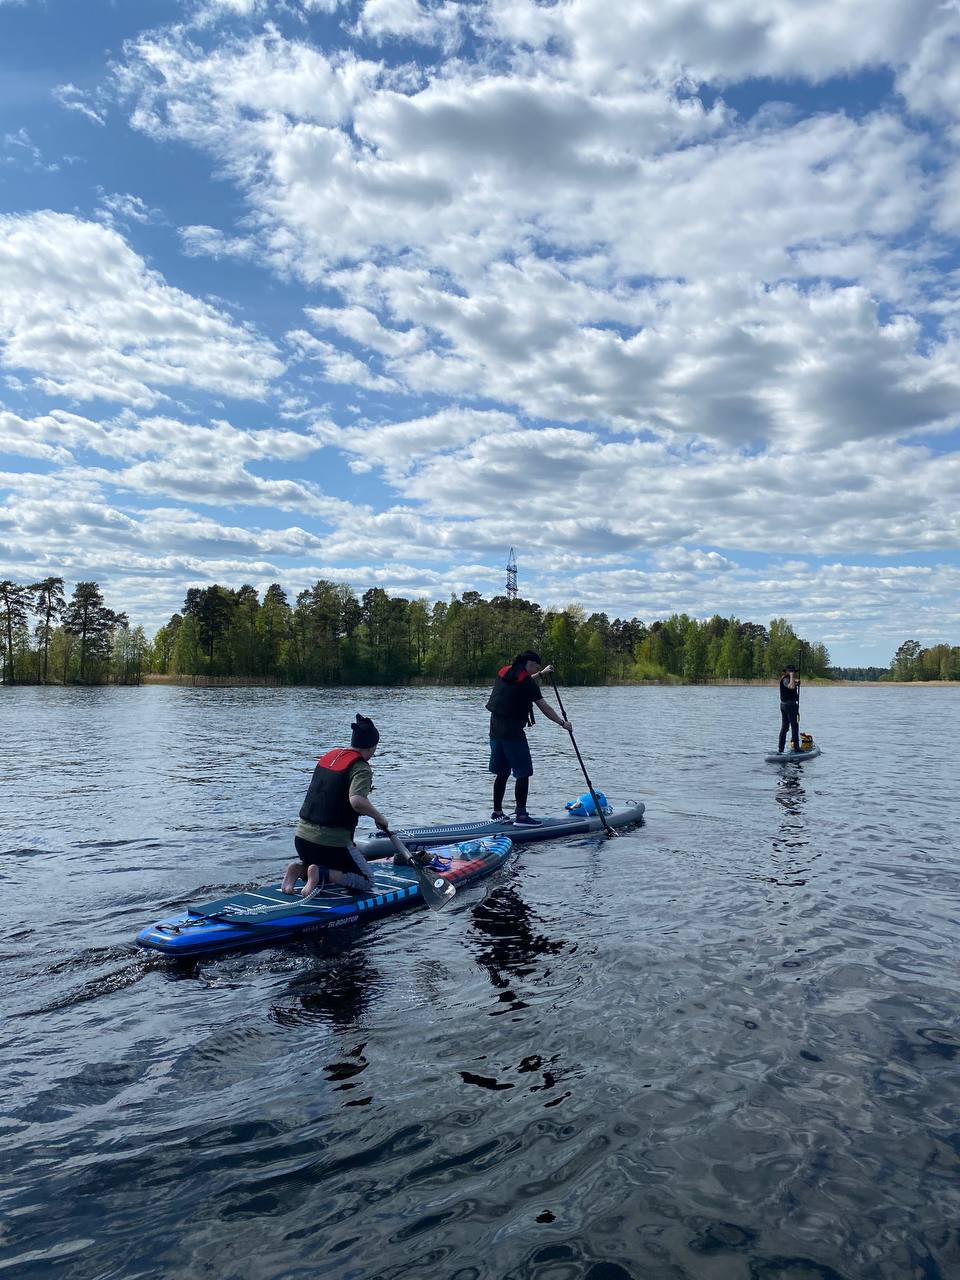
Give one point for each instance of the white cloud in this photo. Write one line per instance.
(726, 360)
(31, 439)
(669, 39)
(74, 99)
(398, 447)
(670, 289)
(87, 316)
(212, 10)
(131, 437)
(679, 559)
(430, 23)
(930, 80)
(204, 97)
(573, 490)
(124, 207)
(21, 152)
(160, 455)
(362, 326)
(338, 366)
(208, 242)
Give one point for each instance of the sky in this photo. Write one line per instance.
(664, 294)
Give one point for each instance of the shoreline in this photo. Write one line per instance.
(422, 682)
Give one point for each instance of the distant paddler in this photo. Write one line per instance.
(789, 708)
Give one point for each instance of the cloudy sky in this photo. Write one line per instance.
(665, 294)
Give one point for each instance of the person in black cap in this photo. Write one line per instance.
(789, 708)
(338, 794)
(515, 694)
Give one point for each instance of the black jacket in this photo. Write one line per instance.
(511, 703)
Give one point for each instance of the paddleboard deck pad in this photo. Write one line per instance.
(791, 757)
(439, 833)
(260, 917)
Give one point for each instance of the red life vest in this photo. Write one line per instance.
(509, 701)
(339, 758)
(521, 675)
(327, 802)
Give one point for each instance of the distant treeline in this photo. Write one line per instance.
(330, 636)
(913, 662)
(860, 673)
(75, 641)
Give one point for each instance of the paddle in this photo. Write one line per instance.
(596, 803)
(436, 891)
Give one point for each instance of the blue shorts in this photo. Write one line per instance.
(510, 757)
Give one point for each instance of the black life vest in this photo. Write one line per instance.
(508, 700)
(789, 695)
(327, 802)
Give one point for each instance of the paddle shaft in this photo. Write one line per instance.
(596, 803)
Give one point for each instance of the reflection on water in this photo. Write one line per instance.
(723, 1045)
(514, 942)
(337, 993)
(790, 844)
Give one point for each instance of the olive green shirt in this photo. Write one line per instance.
(361, 784)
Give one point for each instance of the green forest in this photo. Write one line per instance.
(331, 636)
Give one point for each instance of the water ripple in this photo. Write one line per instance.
(723, 1046)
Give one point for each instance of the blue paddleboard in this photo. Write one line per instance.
(259, 917)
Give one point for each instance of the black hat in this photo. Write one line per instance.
(363, 732)
(528, 655)
(791, 667)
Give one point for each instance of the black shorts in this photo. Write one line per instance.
(333, 857)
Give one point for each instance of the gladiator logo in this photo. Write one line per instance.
(238, 909)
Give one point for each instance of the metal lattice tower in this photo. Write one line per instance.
(512, 575)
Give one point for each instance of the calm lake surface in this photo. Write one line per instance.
(724, 1046)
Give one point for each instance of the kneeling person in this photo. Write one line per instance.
(337, 796)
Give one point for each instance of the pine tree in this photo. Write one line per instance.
(14, 601)
(88, 618)
(49, 604)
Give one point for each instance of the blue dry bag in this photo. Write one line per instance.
(583, 806)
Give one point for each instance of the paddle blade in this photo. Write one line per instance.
(436, 891)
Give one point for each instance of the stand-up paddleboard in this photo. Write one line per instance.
(618, 815)
(263, 916)
(792, 757)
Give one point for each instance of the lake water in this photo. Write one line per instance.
(724, 1046)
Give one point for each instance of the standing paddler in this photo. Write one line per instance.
(789, 708)
(515, 694)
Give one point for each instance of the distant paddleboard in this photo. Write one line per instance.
(792, 757)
